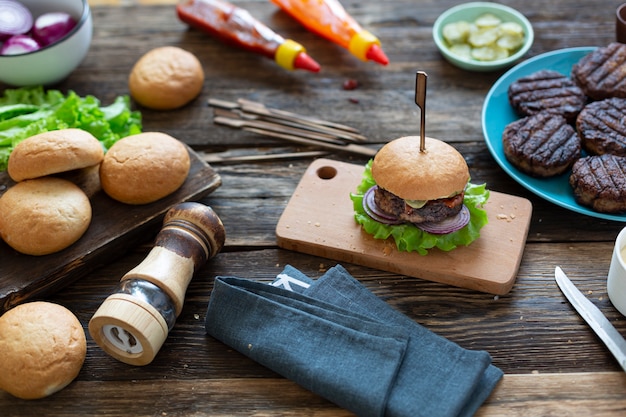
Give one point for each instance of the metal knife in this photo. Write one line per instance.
(594, 317)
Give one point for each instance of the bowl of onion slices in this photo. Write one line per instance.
(42, 41)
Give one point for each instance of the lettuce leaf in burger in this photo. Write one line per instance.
(421, 198)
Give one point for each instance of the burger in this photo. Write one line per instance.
(423, 198)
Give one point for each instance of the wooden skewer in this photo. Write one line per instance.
(213, 158)
(254, 106)
(250, 109)
(255, 117)
(252, 121)
(223, 104)
(350, 147)
(420, 100)
(239, 123)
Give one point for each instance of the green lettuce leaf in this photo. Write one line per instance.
(27, 111)
(407, 236)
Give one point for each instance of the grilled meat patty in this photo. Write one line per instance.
(602, 127)
(599, 182)
(541, 145)
(602, 73)
(432, 211)
(546, 90)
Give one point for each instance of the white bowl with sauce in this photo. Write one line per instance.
(616, 280)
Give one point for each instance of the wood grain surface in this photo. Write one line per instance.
(319, 220)
(114, 227)
(554, 364)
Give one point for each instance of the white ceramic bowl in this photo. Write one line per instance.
(469, 12)
(53, 63)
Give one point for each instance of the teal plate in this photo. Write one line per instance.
(498, 113)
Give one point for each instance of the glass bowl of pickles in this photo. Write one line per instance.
(482, 36)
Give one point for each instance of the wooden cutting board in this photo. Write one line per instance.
(319, 220)
(115, 228)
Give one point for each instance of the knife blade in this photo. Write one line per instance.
(593, 316)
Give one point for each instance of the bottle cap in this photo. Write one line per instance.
(129, 329)
(291, 55)
(366, 46)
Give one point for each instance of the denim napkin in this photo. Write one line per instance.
(337, 339)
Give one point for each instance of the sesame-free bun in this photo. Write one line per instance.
(402, 169)
(166, 78)
(143, 168)
(54, 152)
(43, 215)
(43, 348)
(87, 179)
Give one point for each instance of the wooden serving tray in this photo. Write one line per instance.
(319, 220)
(115, 227)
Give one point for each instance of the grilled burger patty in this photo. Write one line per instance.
(602, 127)
(432, 211)
(546, 90)
(541, 145)
(599, 182)
(602, 73)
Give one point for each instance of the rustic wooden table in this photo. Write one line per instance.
(553, 363)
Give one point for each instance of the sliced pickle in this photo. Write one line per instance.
(512, 28)
(457, 32)
(462, 50)
(510, 42)
(489, 53)
(484, 37)
(487, 20)
(487, 38)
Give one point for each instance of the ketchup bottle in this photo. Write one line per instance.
(236, 26)
(330, 20)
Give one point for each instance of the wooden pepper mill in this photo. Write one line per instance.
(132, 324)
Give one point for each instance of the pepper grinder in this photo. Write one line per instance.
(132, 324)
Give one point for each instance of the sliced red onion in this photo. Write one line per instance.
(372, 210)
(15, 19)
(19, 44)
(449, 225)
(51, 27)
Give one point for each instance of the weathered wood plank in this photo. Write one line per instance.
(557, 395)
(516, 395)
(382, 107)
(531, 329)
(554, 363)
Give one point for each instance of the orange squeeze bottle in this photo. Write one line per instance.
(236, 26)
(329, 19)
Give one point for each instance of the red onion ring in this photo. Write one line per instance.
(372, 210)
(449, 225)
(19, 44)
(52, 27)
(15, 19)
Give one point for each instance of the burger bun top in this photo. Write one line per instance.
(402, 169)
(54, 152)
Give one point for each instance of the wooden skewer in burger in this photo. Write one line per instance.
(418, 191)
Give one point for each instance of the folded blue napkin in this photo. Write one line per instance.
(337, 339)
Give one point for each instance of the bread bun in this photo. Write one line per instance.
(54, 152)
(43, 215)
(143, 168)
(87, 179)
(400, 168)
(43, 349)
(166, 78)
